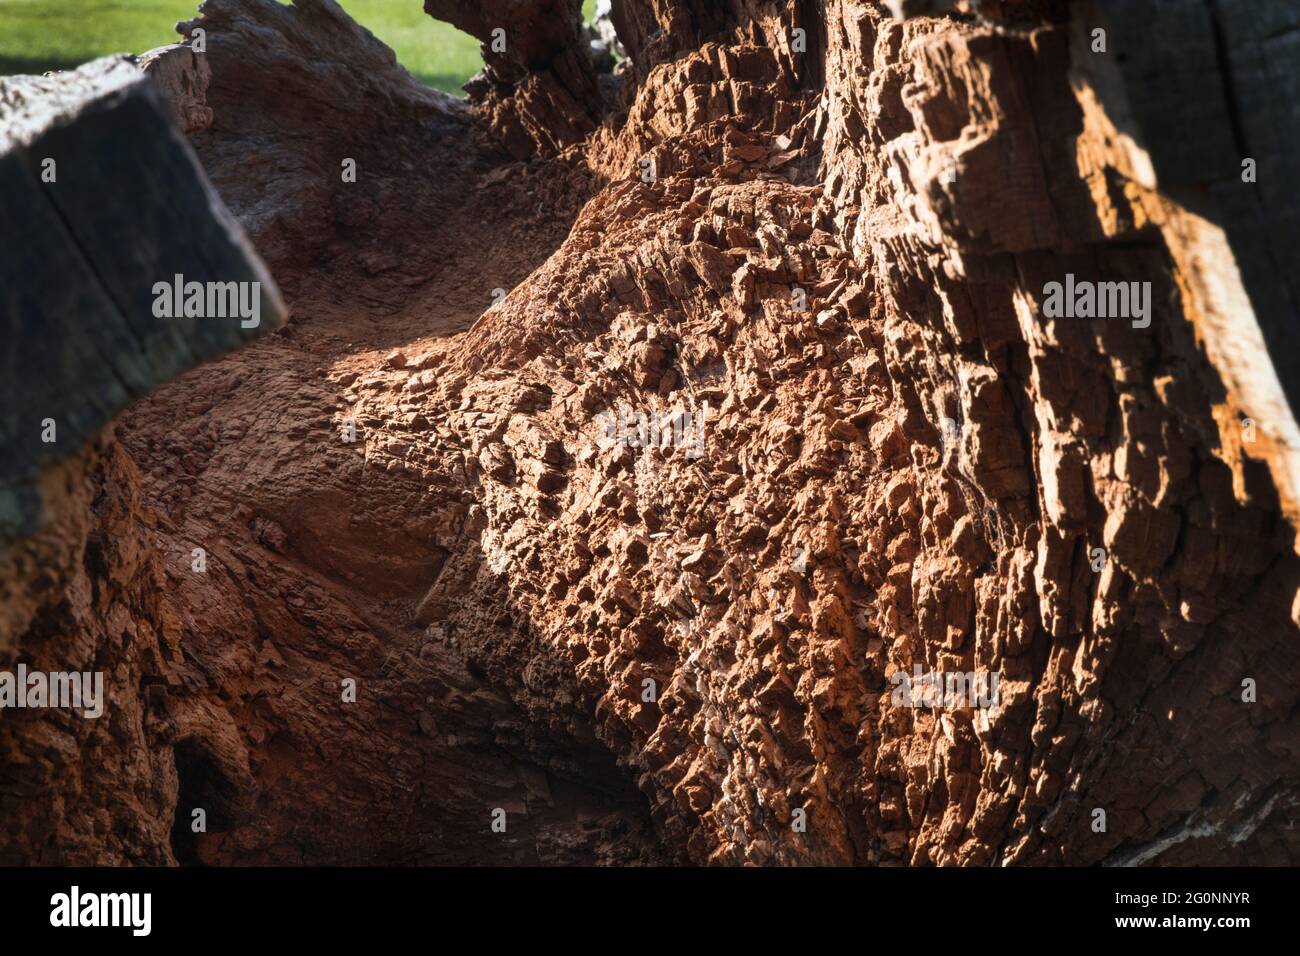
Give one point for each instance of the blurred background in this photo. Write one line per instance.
(40, 35)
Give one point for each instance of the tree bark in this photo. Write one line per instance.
(771, 424)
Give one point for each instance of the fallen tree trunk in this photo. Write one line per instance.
(862, 472)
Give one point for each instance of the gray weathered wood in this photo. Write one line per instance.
(79, 258)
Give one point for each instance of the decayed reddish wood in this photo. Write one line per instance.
(832, 251)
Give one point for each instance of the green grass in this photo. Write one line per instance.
(40, 35)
